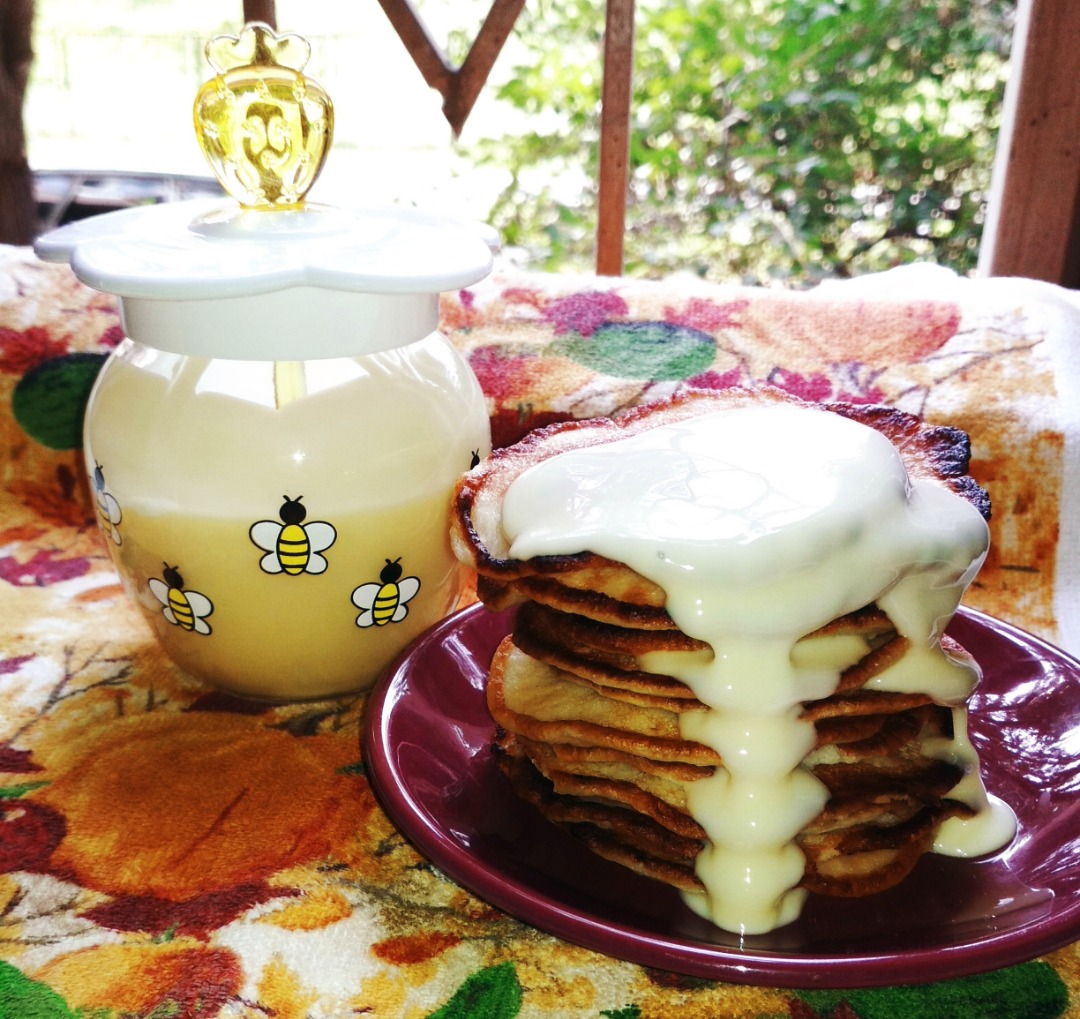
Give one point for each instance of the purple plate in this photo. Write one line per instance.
(427, 744)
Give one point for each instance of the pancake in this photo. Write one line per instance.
(691, 739)
(606, 590)
(616, 657)
(537, 701)
(601, 751)
(847, 854)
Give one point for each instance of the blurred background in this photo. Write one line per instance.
(773, 140)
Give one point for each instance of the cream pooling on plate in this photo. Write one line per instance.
(762, 524)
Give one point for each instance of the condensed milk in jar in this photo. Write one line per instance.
(272, 447)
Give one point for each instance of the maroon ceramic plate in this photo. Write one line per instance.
(427, 739)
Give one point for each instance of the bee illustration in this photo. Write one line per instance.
(385, 602)
(186, 609)
(291, 546)
(108, 508)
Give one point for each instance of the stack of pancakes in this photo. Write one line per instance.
(588, 717)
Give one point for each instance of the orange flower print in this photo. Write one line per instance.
(176, 805)
(181, 979)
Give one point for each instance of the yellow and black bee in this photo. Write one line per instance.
(385, 602)
(109, 513)
(291, 546)
(186, 609)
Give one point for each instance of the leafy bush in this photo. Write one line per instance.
(772, 139)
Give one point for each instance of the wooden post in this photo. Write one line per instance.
(615, 136)
(17, 213)
(260, 10)
(1033, 215)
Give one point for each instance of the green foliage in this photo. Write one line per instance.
(771, 138)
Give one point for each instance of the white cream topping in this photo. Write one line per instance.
(762, 524)
(994, 823)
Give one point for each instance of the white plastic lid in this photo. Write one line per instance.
(212, 279)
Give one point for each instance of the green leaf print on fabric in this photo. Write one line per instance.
(50, 399)
(1032, 990)
(660, 351)
(14, 792)
(492, 993)
(23, 998)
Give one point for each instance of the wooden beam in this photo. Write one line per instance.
(615, 117)
(425, 52)
(481, 57)
(1033, 214)
(459, 86)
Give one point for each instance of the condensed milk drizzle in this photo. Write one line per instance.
(761, 525)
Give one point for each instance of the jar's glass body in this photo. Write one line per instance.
(284, 525)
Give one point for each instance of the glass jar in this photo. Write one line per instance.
(274, 445)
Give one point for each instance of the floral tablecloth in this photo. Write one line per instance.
(166, 850)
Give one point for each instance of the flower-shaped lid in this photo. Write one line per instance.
(270, 276)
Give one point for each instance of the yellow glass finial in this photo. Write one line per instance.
(264, 127)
